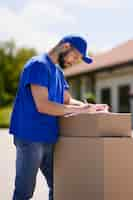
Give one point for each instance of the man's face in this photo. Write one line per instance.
(69, 57)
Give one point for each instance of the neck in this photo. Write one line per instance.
(53, 56)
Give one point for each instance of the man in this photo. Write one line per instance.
(41, 98)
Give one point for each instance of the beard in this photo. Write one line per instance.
(61, 60)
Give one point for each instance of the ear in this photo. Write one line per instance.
(65, 46)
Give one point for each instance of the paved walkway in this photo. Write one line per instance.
(7, 171)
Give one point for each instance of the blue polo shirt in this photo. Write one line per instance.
(26, 122)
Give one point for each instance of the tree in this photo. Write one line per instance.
(12, 60)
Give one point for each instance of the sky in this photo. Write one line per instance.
(42, 23)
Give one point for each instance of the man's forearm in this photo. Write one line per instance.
(56, 109)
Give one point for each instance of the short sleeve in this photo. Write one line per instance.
(66, 85)
(36, 73)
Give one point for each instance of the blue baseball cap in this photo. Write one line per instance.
(80, 44)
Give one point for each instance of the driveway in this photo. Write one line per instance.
(7, 170)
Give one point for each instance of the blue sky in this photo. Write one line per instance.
(42, 23)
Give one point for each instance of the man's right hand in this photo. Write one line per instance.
(85, 108)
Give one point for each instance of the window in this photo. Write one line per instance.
(123, 98)
(106, 96)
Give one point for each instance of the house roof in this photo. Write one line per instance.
(118, 55)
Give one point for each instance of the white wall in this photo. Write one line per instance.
(113, 82)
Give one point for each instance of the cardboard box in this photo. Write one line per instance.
(96, 125)
(93, 168)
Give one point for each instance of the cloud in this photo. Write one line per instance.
(42, 23)
(33, 25)
(90, 3)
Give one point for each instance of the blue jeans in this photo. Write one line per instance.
(30, 156)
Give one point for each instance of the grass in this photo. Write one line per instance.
(5, 113)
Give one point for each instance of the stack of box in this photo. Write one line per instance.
(94, 158)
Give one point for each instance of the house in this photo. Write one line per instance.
(109, 77)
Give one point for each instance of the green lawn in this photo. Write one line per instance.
(5, 116)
